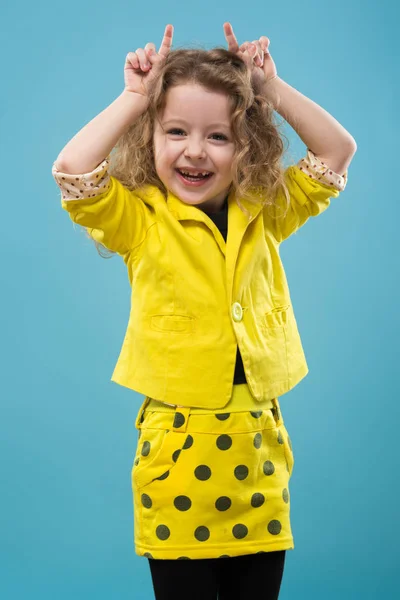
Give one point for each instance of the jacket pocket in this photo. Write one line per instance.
(176, 323)
(157, 453)
(274, 330)
(277, 317)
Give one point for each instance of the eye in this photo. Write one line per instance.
(175, 131)
(219, 136)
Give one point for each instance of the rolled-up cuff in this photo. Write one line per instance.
(83, 185)
(316, 169)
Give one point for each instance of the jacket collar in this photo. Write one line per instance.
(237, 219)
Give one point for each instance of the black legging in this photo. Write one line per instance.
(236, 578)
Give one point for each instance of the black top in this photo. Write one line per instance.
(220, 219)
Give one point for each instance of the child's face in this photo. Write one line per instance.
(195, 133)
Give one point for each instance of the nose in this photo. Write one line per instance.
(194, 148)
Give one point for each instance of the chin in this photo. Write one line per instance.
(190, 197)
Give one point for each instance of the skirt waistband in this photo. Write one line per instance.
(241, 400)
(183, 420)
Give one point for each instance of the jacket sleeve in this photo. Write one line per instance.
(112, 214)
(311, 184)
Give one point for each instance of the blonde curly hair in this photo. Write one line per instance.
(257, 164)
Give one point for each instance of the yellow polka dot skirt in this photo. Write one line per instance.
(211, 485)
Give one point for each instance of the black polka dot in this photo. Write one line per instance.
(146, 501)
(224, 442)
(241, 472)
(274, 527)
(290, 443)
(148, 555)
(179, 419)
(202, 472)
(223, 503)
(146, 448)
(257, 500)
(188, 442)
(137, 461)
(268, 468)
(257, 440)
(256, 413)
(176, 454)
(202, 533)
(182, 503)
(224, 556)
(285, 495)
(162, 532)
(223, 416)
(164, 476)
(183, 558)
(240, 531)
(280, 438)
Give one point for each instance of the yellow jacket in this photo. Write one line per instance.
(195, 297)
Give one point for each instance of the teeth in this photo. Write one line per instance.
(195, 173)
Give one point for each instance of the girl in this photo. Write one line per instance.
(197, 204)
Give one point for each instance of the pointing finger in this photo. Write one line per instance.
(233, 45)
(167, 41)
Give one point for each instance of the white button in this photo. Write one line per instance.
(237, 312)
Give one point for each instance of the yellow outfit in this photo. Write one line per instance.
(206, 482)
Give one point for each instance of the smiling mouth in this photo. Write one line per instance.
(197, 176)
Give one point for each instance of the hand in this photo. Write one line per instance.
(255, 55)
(142, 66)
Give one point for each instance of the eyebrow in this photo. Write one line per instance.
(180, 120)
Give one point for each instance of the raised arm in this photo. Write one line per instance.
(92, 144)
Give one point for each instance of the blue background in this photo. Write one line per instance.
(67, 432)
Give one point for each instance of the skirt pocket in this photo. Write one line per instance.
(287, 444)
(283, 437)
(156, 454)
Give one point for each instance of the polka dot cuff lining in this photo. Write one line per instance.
(316, 169)
(87, 185)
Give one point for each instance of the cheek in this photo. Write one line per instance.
(167, 155)
(225, 160)
(160, 155)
